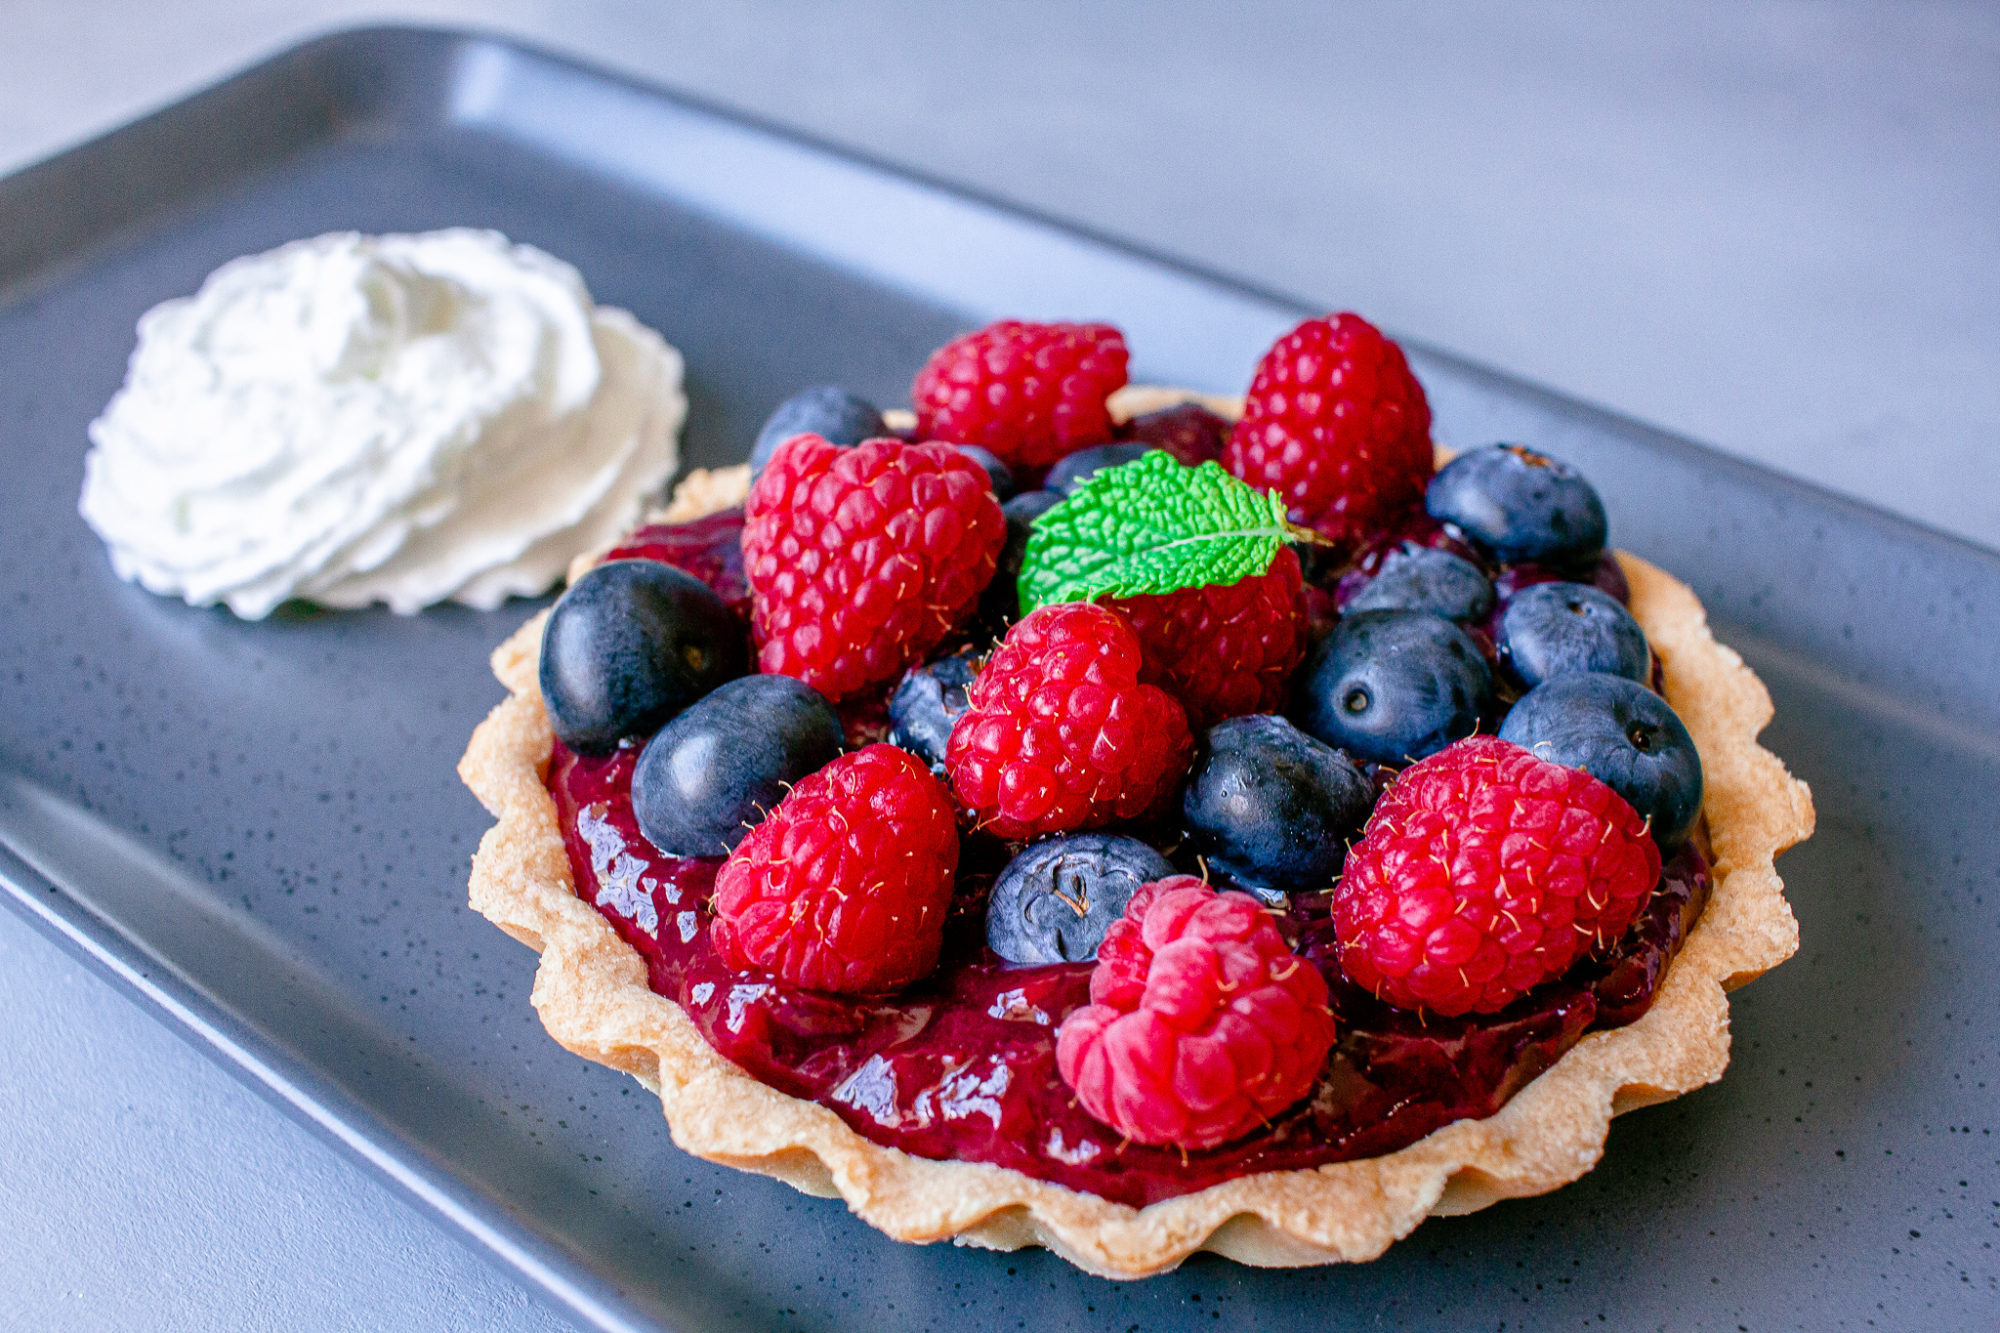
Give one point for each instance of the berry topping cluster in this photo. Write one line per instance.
(1179, 691)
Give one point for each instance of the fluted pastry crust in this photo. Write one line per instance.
(591, 992)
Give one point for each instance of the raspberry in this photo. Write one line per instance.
(1202, 1023)
(1336, 424)
(1029, 392)
(845, 885)
(1484, 872)
(1224, 650)
(862, 560)
(1059, 734)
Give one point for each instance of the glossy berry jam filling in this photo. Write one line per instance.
(962, 1065)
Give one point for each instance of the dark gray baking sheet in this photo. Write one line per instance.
(256, 828)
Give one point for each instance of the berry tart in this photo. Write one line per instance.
(1132, 822)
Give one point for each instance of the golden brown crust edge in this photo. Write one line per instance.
(591, 992)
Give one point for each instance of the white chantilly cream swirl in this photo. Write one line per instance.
(402, 419)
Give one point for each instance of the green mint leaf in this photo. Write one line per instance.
(1151, 526)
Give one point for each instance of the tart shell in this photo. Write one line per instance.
(591, 993)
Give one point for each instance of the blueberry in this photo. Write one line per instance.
(631, 644)
(926, 704)
(998, 474)
(1622, 734)
(1000, 605)
(1053, 902)
(1271, 806)
(1393, 686)
(1519, 505)
(825, 410)
(716, 770)
(1415, 577)
(1563, 629)
(1072, 470)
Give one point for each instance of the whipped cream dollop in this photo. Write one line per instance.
(400, 419)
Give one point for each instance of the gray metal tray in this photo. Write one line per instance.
(256, 828)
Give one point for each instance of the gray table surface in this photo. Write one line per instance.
(1772, 226)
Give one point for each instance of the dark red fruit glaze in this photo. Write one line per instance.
(1604, 572)
(709, 548)
(1190, 432)
(962, 1065)
(1335, 588)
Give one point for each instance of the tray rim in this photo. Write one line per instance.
(296, 1088)
(448, 41)
(233, 1042)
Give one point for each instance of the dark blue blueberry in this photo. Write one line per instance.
(998, 474)
(715, 771)
(632, 643)
(1518, 504)
(1053, 902)
(1622, 734)
(1272, 807)
(1072, 470)
(1564, 629)
(1415, 577)
(926, 704)
(826, 410)
(1000, 605)
(1393, 686)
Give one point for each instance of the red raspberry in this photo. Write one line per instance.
(1029, 392)
(1202, 1023)
(862, 560)
(1336, 424)
(844, 886)
(1059, 734)
(1224, 649)
(1484, 872)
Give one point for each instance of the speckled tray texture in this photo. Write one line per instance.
(257, 827)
